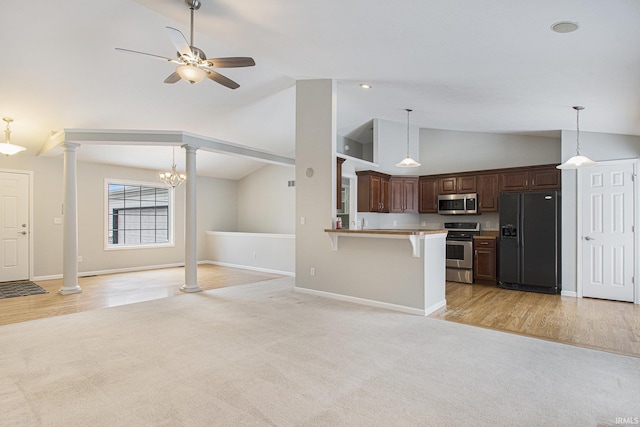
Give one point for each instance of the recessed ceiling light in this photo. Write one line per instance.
(365, 85)
(564, 27)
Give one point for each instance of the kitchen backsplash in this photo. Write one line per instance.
(488, 221)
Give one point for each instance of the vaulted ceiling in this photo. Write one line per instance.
(488, 66)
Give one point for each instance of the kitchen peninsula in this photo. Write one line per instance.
(403, 269)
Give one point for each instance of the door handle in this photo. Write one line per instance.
(589, 238)
(22, 232)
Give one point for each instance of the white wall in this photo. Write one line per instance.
(391, 141)
(265, 203)
(217, 210)
(315, 192)
(273, 253)
(599, 147)
(443, 151)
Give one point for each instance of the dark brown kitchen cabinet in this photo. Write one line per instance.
(488, 192)
(545, 178)
(339, 162)
(373, 191)
(428, 194)
(448, 185)
(467, 184)
(457, 184)
(404, 194)
(517, 180)
(484, 261)
(530, 179)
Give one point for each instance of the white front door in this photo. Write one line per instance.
(14, 226)
(607, 231)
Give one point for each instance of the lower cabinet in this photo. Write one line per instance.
(484, 261)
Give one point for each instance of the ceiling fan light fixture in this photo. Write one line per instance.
(191, 73)
(7, 148)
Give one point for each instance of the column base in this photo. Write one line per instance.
(70, 290)
(190, 289)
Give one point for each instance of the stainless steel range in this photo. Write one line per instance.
(459, 258)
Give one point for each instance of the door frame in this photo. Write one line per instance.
(31, 223)
(636, 243)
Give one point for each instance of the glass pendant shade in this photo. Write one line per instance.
(173, 178)
(7, 148)
(577, 161)
(407, 162)
(191, 73)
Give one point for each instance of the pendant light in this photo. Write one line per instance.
(7, 148)
(407, 162)
(172, 178)
(577, 161)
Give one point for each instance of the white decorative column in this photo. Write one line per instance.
(70, 223)
(191, 225)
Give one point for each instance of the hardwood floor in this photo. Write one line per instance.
(604, 325)
(118, 289)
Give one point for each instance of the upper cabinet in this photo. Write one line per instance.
(531, 178)
(404, 194)
(373, 191)
(547, 178)
(378, 192)
(457, 184)
(488, 192)
(517, 180)
(428, 194)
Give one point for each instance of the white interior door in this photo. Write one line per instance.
(607, 231)
(14, 226)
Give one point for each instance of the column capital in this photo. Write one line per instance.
(70, 146)
(190, 148)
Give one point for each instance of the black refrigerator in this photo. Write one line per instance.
(529, 242)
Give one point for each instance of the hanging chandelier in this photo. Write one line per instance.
(577, 161)
(173, 178)
(407, 162)
(7, 148)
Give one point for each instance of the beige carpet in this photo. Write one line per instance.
(261, 354)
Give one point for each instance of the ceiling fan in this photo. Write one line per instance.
(193, 64)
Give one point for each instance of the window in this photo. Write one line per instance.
(138, 215)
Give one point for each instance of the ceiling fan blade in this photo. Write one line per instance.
(179, 41)
(173, 77)
(162, 58)
(231, 62)
(224, 81)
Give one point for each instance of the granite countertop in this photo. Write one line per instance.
(394, 231)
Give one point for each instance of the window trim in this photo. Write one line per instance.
(105, 210)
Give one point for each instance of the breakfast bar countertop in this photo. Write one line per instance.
(391, 231)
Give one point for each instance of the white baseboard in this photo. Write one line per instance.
(371, 303)
(569, 294)
(158, 267)
(249, 267)
(435, 307)
(113, 271)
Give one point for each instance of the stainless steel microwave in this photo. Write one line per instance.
(458, 204)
